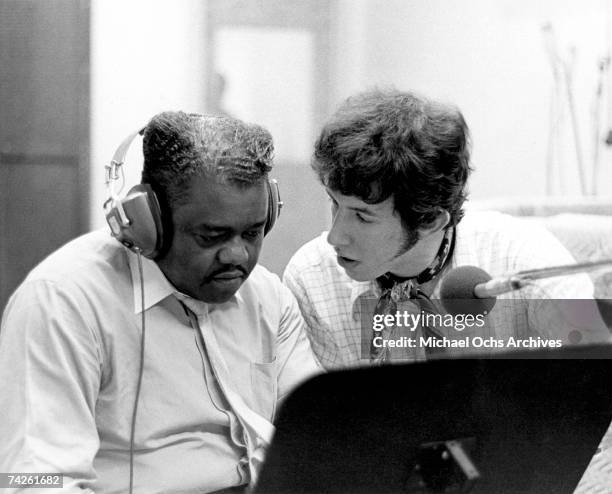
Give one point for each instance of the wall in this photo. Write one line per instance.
(146, 56)
(44, 148)
(270, 77)
(488, 57)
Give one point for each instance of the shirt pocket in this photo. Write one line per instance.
(264, 388)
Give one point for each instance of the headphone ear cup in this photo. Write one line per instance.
(136, 221)
(274, 204)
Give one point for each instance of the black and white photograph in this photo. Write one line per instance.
(306, 246)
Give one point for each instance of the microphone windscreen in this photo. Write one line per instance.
(457, 291)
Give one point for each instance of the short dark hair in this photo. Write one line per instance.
(387, 143)
(178, 147)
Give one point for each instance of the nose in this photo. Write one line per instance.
(233, 252)
(338, 234)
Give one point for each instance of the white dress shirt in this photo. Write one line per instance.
(69, 361)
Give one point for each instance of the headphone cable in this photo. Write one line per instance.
(140, 369)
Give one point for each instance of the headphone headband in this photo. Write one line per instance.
(121, 152)
(136, 220)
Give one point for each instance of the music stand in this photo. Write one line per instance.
(534, 422)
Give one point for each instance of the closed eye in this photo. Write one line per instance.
(362, 218)
(253, 234)
(209, 239)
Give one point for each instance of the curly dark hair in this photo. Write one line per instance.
(178, 146)
(387, 143)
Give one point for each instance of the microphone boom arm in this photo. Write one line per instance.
(495, 287)
(516, 281)
(537, 274)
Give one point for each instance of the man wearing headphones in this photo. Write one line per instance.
(160, 374)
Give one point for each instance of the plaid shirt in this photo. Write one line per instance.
(494, 242)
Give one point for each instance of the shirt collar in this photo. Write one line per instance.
(201, 308)
(157, 287)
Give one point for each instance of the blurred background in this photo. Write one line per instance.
(77, 76)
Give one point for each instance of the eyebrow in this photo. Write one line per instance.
(221, 229)
(355, 208)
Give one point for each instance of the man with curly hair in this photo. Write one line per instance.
(395, 166)
(224, 339)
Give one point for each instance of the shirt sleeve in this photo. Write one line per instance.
(50, 367)
(325, 349)
(296, 361)
(292, 281)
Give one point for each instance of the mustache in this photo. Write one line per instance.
(226, 269)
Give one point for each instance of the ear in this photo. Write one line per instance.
(438, 224)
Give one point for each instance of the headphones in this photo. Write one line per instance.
(136, 220)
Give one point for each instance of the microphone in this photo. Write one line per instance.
(461, 291)
(471, 290)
